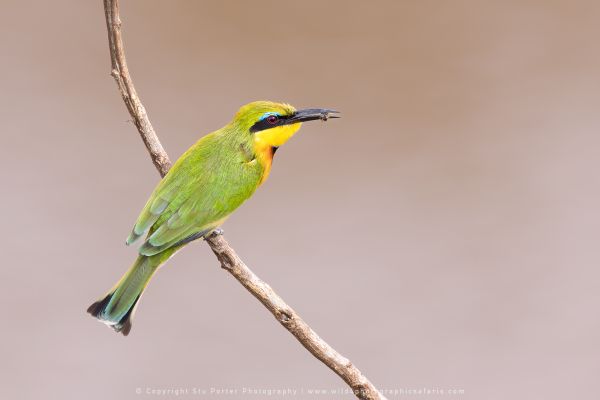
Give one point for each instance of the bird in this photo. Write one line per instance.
(202, 189)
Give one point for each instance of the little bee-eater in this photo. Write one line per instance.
(208, 182)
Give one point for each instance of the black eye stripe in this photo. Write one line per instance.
(266, 124)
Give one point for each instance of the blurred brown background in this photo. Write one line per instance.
(442, 234)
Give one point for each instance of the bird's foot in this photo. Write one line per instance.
(214, 233)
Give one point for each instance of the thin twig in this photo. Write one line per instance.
(229, 260)
(120, 72)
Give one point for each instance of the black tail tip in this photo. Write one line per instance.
(98, 307)
(122, 326)
(125, 328)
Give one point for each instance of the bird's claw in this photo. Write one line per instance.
(214, 233)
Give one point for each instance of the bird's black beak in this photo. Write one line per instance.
(312, 114)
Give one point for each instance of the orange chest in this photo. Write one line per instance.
(265, 158)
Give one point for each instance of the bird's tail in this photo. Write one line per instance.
(116, 309)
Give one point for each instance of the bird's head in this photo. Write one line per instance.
(273, 124)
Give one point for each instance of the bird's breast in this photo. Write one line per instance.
(264, 155)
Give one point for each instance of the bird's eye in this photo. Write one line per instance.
(272, 119)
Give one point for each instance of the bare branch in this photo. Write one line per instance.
(121, 74)
(229, 260)
(291, 321)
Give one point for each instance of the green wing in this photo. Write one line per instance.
(204, 186)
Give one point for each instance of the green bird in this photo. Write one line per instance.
(206, 184)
